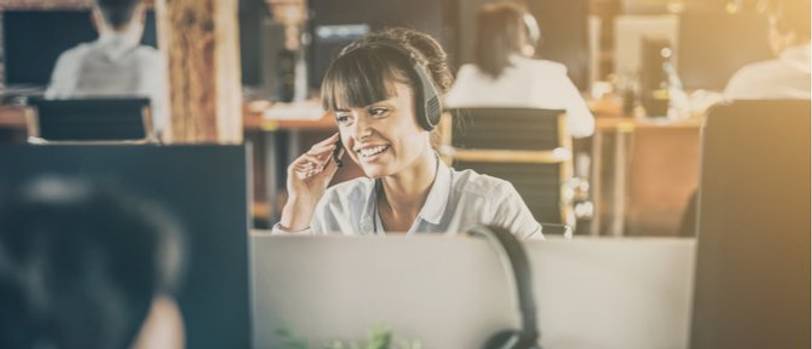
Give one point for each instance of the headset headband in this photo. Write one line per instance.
(427, 100)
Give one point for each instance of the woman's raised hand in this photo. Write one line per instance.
(308, 177)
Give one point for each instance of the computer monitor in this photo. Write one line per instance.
(34, 39)
(631, 31)
(713, 46)
(452, 292)
(423, 15)
(212, 208)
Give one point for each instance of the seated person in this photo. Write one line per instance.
(82, 267)
(504, 74)
(787, 76)
(115, 64)
(376, 89)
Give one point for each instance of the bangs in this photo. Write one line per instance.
(362, 77)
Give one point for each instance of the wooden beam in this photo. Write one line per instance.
(200, 40)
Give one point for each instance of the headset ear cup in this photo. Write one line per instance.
(506, 339)
(432, 113)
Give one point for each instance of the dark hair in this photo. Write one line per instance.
(792, 16)
(363, 72)
(501, 31)
(117, 13)
(80, 266)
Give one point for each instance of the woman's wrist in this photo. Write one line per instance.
(296, 214)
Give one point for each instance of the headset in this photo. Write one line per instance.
(533, 29)
(426, 97)
(514, 260)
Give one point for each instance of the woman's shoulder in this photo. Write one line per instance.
(351, 189)
(473, 183)
(543, 65)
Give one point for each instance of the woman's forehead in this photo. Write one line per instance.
(391, 89)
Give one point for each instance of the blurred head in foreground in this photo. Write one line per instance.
(87, 267)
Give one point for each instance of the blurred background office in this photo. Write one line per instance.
(634, 78)
(683, 124)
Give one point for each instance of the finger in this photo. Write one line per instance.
(319, 150)
(329, 140)
(317, 161)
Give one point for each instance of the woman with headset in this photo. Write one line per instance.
(504, 73)
(385, 92)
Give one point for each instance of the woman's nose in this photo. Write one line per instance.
(362, 127)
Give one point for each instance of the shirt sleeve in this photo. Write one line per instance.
(580, 121)
(511, 213)
(155, 83)
(63, 78)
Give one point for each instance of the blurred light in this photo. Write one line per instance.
(327, 32)
(733, 6)
(676, 6)
(666, 52)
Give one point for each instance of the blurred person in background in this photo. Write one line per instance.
(116, 64)
(788, 75)
(83, 267)
(505, 74)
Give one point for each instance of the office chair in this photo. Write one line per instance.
(531, 148)
(752, 287)
(90, 120)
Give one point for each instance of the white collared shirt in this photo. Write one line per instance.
(457, 201)
(112, 66)
(528, 83)
(786, 77)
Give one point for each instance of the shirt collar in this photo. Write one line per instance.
(433, 209)
(116, 44)
(436, 201)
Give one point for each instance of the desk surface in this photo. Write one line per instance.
(253, 120)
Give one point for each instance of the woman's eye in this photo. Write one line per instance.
(378, 111)
(342, 118)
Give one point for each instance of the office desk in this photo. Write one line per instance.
(12, 117)
(655, 170)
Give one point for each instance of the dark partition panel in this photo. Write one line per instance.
(205, 186)
(753, 271)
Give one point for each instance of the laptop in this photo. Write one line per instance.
(452, 292)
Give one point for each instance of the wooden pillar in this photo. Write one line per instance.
(200, 40)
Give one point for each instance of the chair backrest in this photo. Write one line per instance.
(90, 119)
(531, 148)
(506, 128)
(753, 271)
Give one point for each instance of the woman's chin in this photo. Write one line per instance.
(375, 171)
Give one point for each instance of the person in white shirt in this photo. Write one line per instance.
(376, 89)
(788, 75)
(115, 64)
(504, 73)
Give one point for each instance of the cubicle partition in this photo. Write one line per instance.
(204, 186)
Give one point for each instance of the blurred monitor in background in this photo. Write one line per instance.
(631, 32)
(712, 46)
(334, 24)
(86, 266)
(28, 61)
(787, 76)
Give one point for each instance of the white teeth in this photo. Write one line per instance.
(367, 152)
